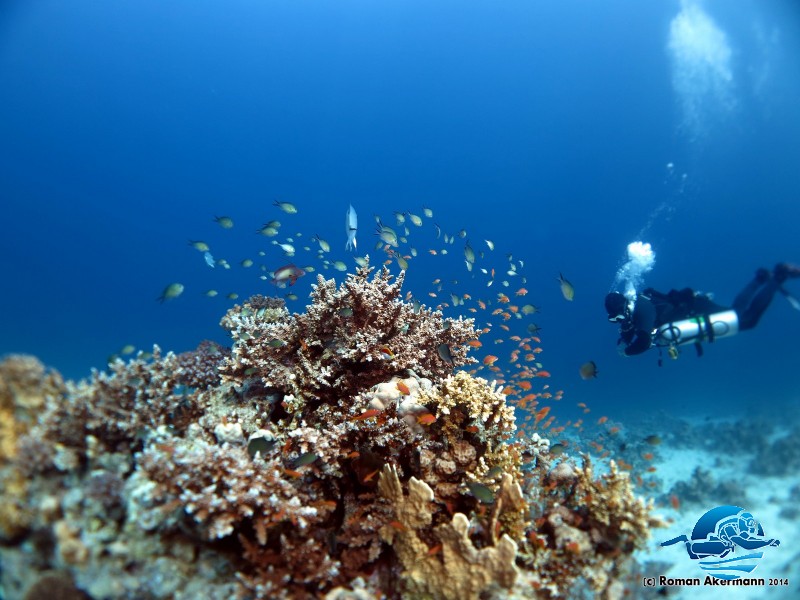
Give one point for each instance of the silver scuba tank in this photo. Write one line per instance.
(702, 328)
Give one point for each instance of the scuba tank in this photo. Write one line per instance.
(702, 328)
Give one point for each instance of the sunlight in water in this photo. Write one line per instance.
(701, 68)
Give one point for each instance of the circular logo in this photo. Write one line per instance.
(726, 541)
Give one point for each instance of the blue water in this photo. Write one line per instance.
(546, 127)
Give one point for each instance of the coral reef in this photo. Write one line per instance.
(780, 457)
(584, 528)
(335, 453)
(199, 368)
(702, 489)
(25, 387)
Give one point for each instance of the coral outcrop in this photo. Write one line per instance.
(348, 340)
(454, 569)
(336, 453)
(25, 387)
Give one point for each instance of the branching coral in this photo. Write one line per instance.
(472, 430)
(477, 401)
(349, 339)
(222, 488)
(258, 310)
(200, 368)
(585, 528)
(120, 407)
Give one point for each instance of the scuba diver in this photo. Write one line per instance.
(685, 316)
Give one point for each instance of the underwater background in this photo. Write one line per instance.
(544, 137)
(561, 131)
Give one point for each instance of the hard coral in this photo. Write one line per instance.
(25, 387)
(200, 368)
(348, 340)
(222, 488)
(462, 401)
(584, 529)
(55, 586)
(257, 310)
(118, 408)
(454, 570)
(328, 448)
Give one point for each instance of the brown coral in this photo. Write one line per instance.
(120, 407)
(199, 368)
(348, 340)
(222, 488)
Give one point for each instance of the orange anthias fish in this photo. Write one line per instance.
(403, 388)
(369, 476)
(489, 359)
(541, 414)
(367, 414)
(426, 419)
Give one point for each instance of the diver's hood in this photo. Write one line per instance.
(616, 307)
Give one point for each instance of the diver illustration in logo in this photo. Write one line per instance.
(717, 534)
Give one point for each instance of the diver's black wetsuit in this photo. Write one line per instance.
(652, 309)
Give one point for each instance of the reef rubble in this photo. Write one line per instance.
(339, 453)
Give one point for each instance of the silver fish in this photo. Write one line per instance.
(351, 227)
